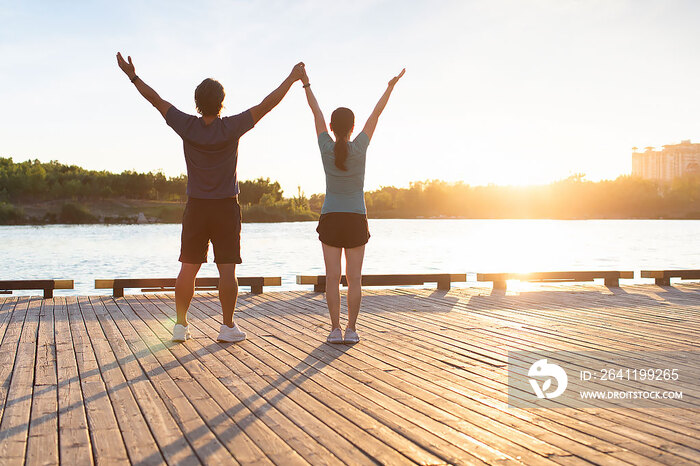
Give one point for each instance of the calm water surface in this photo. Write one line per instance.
(86, 252)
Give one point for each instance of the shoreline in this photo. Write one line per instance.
(134, 221)
(140, 211)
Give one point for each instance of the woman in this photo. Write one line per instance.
(343, 222)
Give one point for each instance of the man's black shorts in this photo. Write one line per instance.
(215, 220)
(343, 229)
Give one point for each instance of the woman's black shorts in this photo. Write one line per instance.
(343, 229)
(215, 220)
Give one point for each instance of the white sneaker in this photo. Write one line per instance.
(231, 334)
(336, 336)
(351, 337)
(181, 333)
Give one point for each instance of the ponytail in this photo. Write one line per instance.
(342, 123)
(341, 151)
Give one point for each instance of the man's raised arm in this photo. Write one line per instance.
(276, 96)
(146, 91)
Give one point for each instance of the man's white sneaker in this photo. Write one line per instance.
(181, 333)
(351, 337)
(231, 334)
(336, 336)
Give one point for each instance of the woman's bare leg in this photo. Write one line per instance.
(331, 256)
(353, 272)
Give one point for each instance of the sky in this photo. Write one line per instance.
(495, 91)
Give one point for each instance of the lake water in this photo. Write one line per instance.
(86, 252)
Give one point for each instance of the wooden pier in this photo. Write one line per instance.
(95, 379)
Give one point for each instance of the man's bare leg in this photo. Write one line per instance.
(228, 291)
(184, 290)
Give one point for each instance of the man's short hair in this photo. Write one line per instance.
(209, 97)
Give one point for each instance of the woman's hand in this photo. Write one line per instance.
(304, 77)
(379, 108)
(395, 79)
(127, 68)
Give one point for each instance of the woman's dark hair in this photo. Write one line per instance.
(342, 122)
(209, 97)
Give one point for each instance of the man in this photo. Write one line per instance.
(212, 212)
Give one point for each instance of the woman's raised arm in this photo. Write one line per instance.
(319, 121)
(379, 108)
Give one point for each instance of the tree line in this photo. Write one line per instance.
(571, 198)
(263, 200)
(35, 181)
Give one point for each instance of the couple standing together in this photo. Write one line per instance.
(213, 214)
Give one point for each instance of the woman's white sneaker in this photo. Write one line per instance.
(336, 336)
(231, 334)
(181, 333)
(351, 337)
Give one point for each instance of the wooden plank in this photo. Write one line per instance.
(416, 386)
(663, 277)
(587, 337)
(443, 280)
(123, 338)
(263, 424)
(309, 279)
(25, 284)
(42, 447)
(391, 443)
(426, 384)
(47, 285)
(171, 415)
(322, 424)
(413, 350)
(434, 374)
(74, 439)
(138, 440)
(14, 428)
(385, 382)
(643, 418)
(412, 424)
(106, 438)
(302, 444)
(611, 277)
(554, 275)
(187, 405)
(685, 274)
(157, 284)
(10, 329)
(103, 283)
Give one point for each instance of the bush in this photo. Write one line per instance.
(282, 211)
(170, 214)
(10, 215)
(75, 213)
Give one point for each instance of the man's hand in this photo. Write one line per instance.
(276, 96)
(395, 79)
(144, 89)
(127, 68)
(297, 72)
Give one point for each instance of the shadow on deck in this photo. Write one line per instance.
(96, 379)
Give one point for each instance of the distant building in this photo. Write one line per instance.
(665, 165)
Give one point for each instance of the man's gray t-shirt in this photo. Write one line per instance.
(211, 151)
